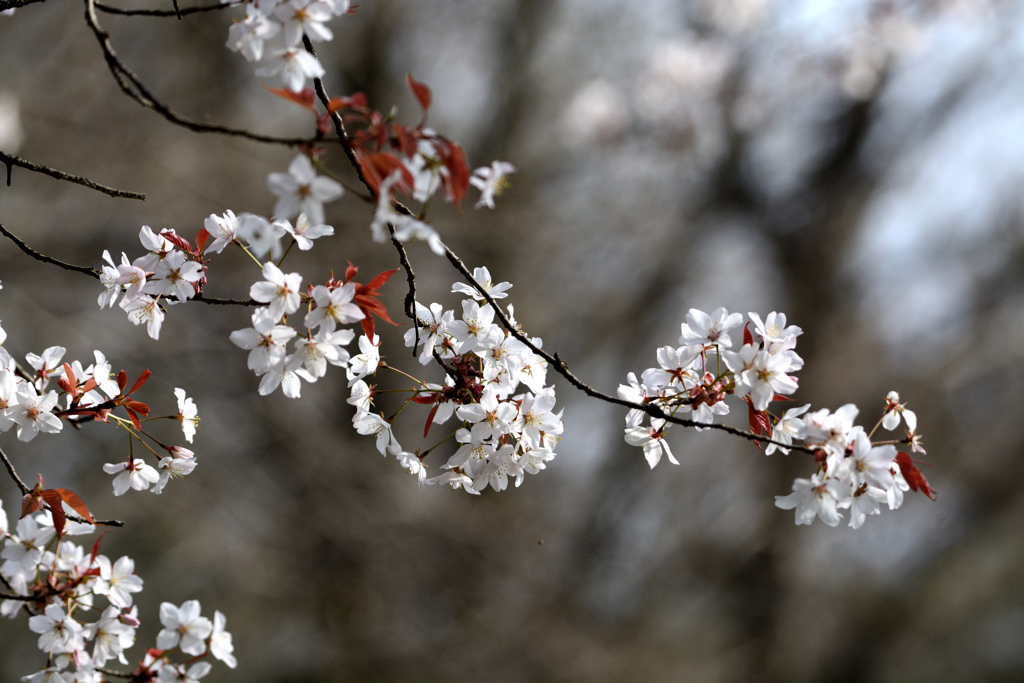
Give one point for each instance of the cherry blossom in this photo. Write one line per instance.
(183, 628)
(302, 190)
(135, 474)
(491, 181)
(188, 414)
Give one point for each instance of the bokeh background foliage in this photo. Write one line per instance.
(856, 164)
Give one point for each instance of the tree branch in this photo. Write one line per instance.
(10, 161)
(110, 9)
(12, 4)
(133, 87)
(14, 474)
(92, 272)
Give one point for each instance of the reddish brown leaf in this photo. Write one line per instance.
(748, 338)
(406, 141)
(122, 380)
(430, 419)
(457, 180)
(177, 240)
(75, 503)
(304, 99)
(421, 91)
(31, 502)
(134, 419)
(378, 281)
(378, 166)
(138, 406)
(368, 327)
(915, 479)
(140, 381)
(323, 124)
(96, 546)
(201, 237)
(356, 101)
(54, 500)
(350, 272)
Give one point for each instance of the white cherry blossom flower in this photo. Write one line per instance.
(491, 181)
(144, 309)
(32, 413)
(333, 307)
(483, 277)
(282, 292)
(295, 65)
(223, 230)
(188, 414)
(248, 35)
(652, 440)
(58, 632)
(304, 232)
(787, 429)
(265, 340)
(136, 475)
(117, 582)
(183, 628)
(221, 646)
(304, 17)
(701, 328)
(302, 190)
(365, 363)
(172, 467)
(815, 497)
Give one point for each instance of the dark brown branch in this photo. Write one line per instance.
(133, 87)
(224, 302)
(110, 9)
(92, 272)
(410, 296)
(10, 160)
(14, 474)
(12, 4)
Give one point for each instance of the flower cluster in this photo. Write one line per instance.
(853, 473)
(80, 604)
(696, 377)
(171, 270)
(328, 306)
(502, 433)
(271, 35)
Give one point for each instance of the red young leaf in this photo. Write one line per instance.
(70, 376)
(405, 140)
(421, 91)
(56, 509)
(356, 101)
(96, 546)
(425, 399)
(31, 502)
(351, 271)
(89, 385)
(138, 406)
(140, 381)
(430, 419)
(748, 338)
(122, 380)
(378, 281)
(201, 237)
(457, 180)
(304, 99)
(914, 478)
(75, 503)
(378, 166)
(368, 327)
(135, 419)
(177, 240)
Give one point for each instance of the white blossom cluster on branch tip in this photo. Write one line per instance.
(271, 32)
(697, 378)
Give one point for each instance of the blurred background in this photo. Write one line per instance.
(858, 165)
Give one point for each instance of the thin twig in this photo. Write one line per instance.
(92, 272)
(133, 87)
(110, 9)
(14, 474)
(10, 160)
